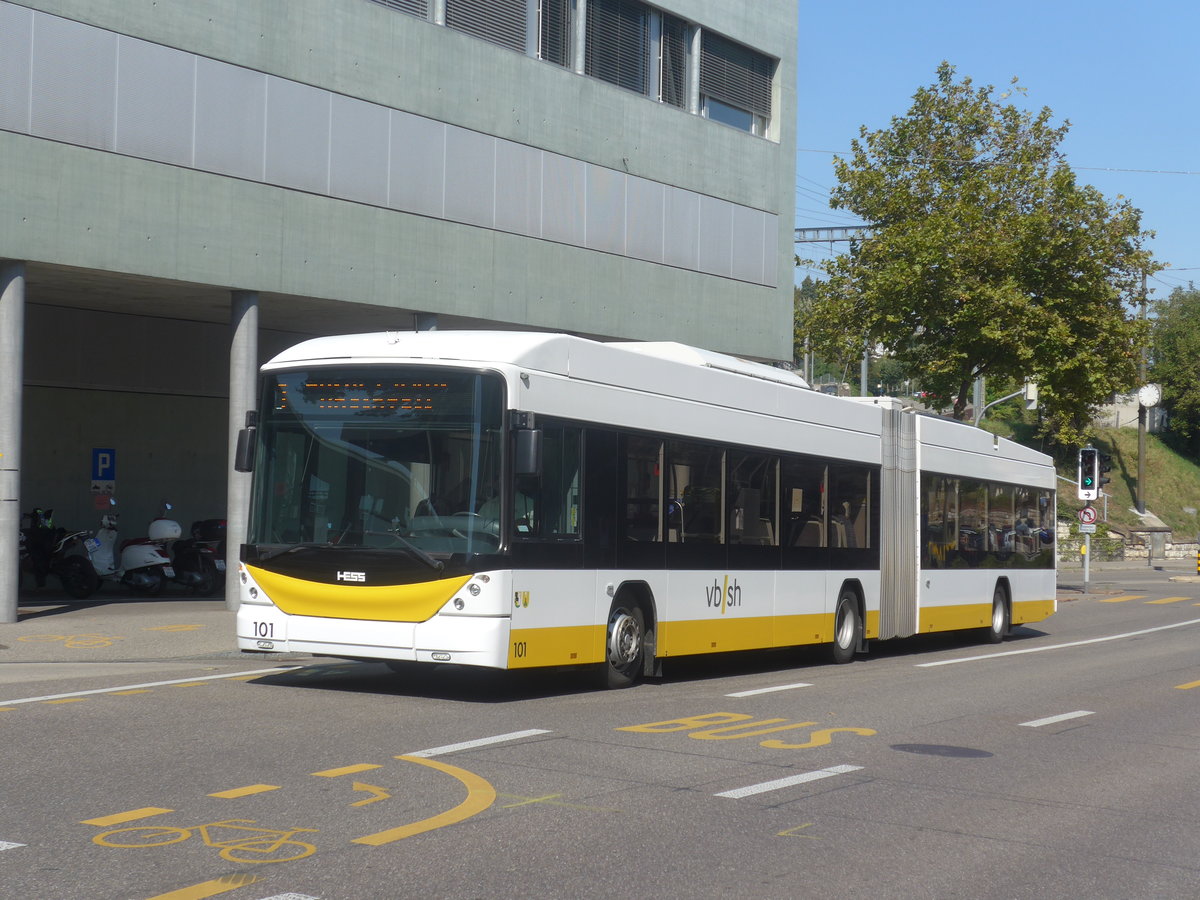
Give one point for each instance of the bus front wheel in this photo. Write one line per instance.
(625, 644)
(1001, 621)
(847, 627)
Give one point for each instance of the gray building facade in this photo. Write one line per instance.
(188, 187)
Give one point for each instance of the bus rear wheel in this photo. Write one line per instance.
(625, 644)
(847, 627)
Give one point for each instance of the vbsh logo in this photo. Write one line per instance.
(722, 596)
(355, 577)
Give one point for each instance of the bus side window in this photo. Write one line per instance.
(643, 488)
(804, 502)
(548, 505)
(753, 510)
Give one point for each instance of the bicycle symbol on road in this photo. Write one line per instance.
(245, 845)
(74, 641)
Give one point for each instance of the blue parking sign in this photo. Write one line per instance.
(104, 464)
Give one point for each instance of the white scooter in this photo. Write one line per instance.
(142, 563)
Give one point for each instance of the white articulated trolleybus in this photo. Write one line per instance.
(515, 500)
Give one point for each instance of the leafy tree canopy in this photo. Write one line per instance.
(986, 257)
(1177, 360)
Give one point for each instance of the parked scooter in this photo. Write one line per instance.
(139, 563)
(193, 559)
(46, 550)
(201, 557)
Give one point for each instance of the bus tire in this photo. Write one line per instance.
(847, 627)
(1001, 620)
(624, 643)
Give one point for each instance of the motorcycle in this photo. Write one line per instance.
(139, 563)
(194, 559)
(46, 550)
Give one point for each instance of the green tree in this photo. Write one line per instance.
(986, 257)
(1176, 361)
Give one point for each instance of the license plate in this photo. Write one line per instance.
(220, 564)
(168, 571)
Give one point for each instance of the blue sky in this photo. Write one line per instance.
(1124, 74)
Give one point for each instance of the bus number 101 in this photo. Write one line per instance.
(520, 649)
(264, 629)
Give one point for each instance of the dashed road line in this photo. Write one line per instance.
(770, 690)
(248, 791)
(1188, 686)
(779, 783)
(209, 888)
(480, 742)
(1100, 640)
(347, 770)
(1064, 717)
(9, 845)
(1166, 600)
(258, 673)
(1123, 598)
(128, 816)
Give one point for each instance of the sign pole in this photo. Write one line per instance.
(1087, 560)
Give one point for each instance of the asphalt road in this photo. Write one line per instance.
(145, 759)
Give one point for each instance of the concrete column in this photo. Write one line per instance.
(12, 364)
(579, 37)
(243, 396)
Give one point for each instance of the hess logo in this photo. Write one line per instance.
(353, 577)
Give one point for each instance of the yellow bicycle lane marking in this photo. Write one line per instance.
(209, 888)
(480, 796)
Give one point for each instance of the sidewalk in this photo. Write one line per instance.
(113, 626)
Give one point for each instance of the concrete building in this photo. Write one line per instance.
(188, 187)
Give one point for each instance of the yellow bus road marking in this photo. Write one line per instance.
(1123, 598)
(1100, 640)
(480, 796)
(347, 770)
(234, 793)
(128, 816)
(209, 888)
(1188, 686)
(258, 673)
(1166, 600)
(780, 783)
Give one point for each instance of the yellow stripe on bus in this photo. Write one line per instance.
(379, 603)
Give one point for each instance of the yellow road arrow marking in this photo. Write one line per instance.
(380, 793)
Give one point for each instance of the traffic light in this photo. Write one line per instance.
(1105, 468)
(1089, 473)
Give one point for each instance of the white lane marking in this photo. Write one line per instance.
(481, 742)
(9, 845)
(1050, 720)
(770, 690)
(778, 783)
(1101, 640)
(150, 684)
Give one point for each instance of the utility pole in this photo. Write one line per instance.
(829, 235)
(1143, 414)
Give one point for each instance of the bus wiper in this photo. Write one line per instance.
(271, 554)
(436, 564)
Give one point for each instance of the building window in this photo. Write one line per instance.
(735, 84)
(502, 22)
(672, 62)
(618, 42)
(412, 7)
(554, 31)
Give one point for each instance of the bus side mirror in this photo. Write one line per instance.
(247, 443)
(528, 460)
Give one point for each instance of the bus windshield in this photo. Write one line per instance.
(376, 457)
